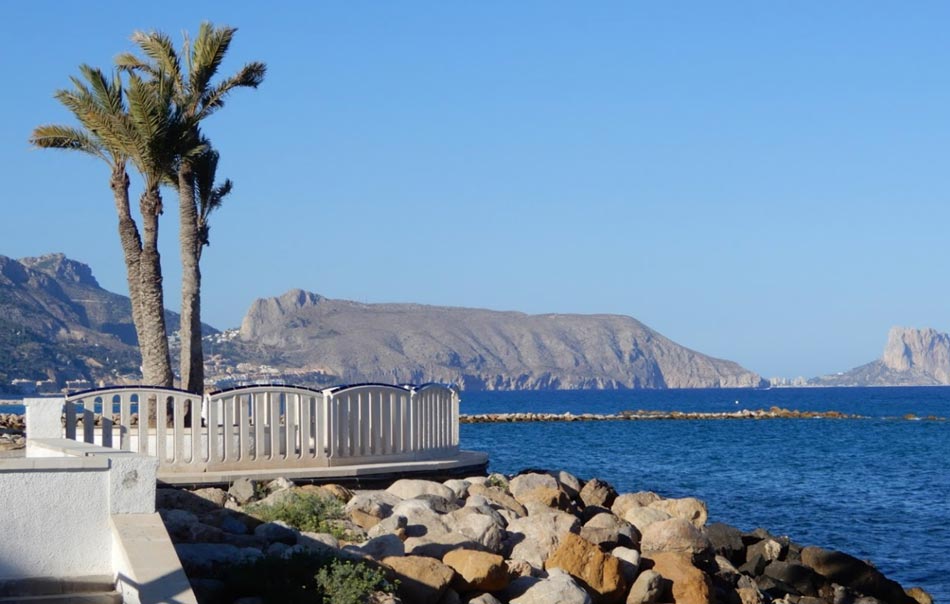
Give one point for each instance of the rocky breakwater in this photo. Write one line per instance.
(12, 432)
(771, 413)
(535, 538)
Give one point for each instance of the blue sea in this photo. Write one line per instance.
(877, 488)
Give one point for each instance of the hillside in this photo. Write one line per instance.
(478, 349)
(911, 357)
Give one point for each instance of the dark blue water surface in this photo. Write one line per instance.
(876, 488)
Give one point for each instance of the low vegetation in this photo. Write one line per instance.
(310, 512)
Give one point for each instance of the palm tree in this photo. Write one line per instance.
(196, 98)
(136, 127)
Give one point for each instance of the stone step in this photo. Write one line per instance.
(84, 597)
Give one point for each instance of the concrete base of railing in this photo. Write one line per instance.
(463, 463)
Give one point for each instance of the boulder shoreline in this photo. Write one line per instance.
(538, 537)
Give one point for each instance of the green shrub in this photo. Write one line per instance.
(350, 583)
(305, 512)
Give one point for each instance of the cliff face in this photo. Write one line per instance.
(479, 349)
(912, 357)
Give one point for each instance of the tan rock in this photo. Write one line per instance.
(339, 492)
(642, 517)
(599, 572)
(421, 580)
(750, 595)
(534, 538)
(477, 571)
(688, 508)
(647, 589)
(921, 596)
(632, 500)
(498, 497)
(598, 492)
(675, 535)
(690, 585)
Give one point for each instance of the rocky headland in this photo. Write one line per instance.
(911, 357)
(538, 537)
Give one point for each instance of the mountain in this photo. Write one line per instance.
(478, 349)
(57, 323)
(912, 357)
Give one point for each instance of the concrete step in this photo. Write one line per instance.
(84, 597)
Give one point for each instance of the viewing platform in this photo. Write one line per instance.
(360, 433)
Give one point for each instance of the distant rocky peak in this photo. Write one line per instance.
(925, 350)
(296, 299)
(268, 314)
(62, 268)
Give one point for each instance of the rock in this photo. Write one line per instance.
(800, 577)
(279, 484)
(689, 584)
(607, 532)
(210, 559)
(727, 541)
(438, 504)
(409, 488)
(421, 520)
(521, 568)
(278, 497)
(498, 498)
(179, 499)
(570, 483)
(477, 571)
(726, 570)
(675, 535)
(393, 525)
(318, 543)
(277, 531)
(368, 508)
(768, 549)
(629, 562)
(540, 489)
(533, 538)
(642, 517)
(751, 595)
(558, 588)
(459, 487)
(484, 599)
(231, 522)
(627, 501)
(848, 571)
(340, 493)
(688, 508)
(450, 597)
(243, 490)
(497, 480)
(421, 580)
(920, 596)
(754, 567)
(598, 492)
(647, 589)
(598, 571)
(484, 529)
(216, 496)
(438, 545)
(276, 549)
(379, 548)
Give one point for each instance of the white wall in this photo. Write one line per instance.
(54, 517)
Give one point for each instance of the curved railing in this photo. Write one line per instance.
(270, 426)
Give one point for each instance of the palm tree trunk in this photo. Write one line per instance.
(192, 356)
(131, 244)
(156, 364)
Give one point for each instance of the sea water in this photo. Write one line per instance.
(877, 488)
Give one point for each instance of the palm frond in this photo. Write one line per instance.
(207, 53)
(159, 47)
(55, 136)
(250, 76)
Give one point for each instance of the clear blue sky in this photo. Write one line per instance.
(761, 181)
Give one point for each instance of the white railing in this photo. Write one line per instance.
(270, 426)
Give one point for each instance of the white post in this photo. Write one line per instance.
(44, 417)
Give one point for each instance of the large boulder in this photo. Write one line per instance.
(689, 584)
(477, 571)
(368, 508)
(484, 529)
(800, 577)
(599, 572)
(675, 535)
(421, 520)
(629, 562)
(688, 508)
(598, 492)
(421, 580)
(607, 532)
(409, 488)
(642, 517)
(378, 548)
(458, 486)
(538, 489)
(726, 541)
(558, 587)
(533, 538)
(498, 498)
(243, 490)
(277, 532)
(632, 500)
(848, 571)
(212, 559)
(648, 588)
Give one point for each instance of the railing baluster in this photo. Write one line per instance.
(125, 422)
